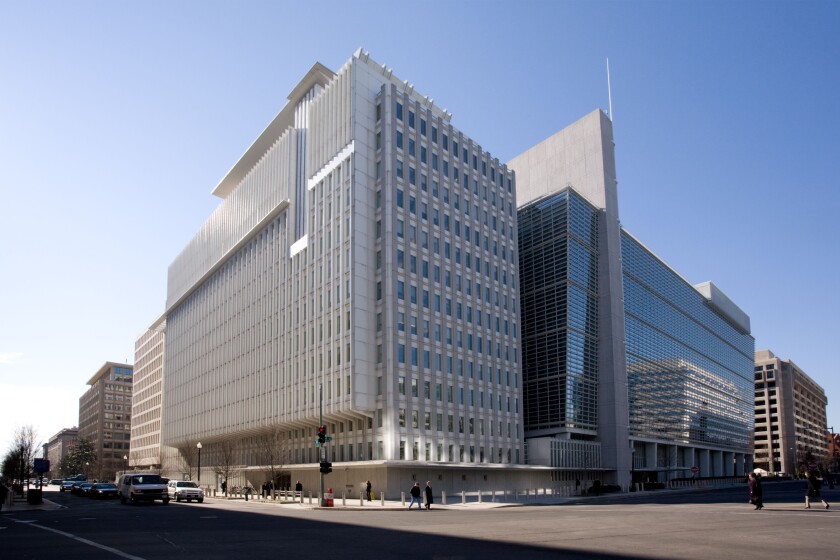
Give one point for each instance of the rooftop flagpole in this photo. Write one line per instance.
(609, 88)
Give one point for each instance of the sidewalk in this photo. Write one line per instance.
(453, 502)
(20, 505)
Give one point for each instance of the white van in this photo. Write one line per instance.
(145, 487)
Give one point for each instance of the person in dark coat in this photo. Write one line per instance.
(4, 492)
(298, 487)
(756, 497)
(368, 488)
(429, 498)
(812, 490)
(415, 497)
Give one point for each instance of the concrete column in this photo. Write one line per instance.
(650, 455)
(728, 463)
(717, 462)
(704, 462)
(688, 457)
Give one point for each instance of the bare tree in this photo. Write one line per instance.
(189, 456)
(226, 455)
(274, 446)
(21, 454)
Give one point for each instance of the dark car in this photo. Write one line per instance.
(55, 482)
(67, 485)
(103, 490)
(82, 488)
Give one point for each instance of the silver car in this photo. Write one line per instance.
(185, 490)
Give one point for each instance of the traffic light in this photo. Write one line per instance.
(326, 467)
(322, 434)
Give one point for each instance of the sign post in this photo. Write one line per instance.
(41, 466)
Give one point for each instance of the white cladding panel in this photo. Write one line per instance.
(251, 346)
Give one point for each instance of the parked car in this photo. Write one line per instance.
(82, 488)
(142, 487)
(56, 482)
(103, 490)
(66, 485)
(185, 490)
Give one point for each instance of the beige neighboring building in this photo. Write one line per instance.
(105, 418)
(790, 418)
(57, 447)
(147, 397)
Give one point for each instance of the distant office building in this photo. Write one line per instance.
(834, 452)
(628, 369)
(105, 418)
(790, 418)
(363, 256)
(57, 447)
(147, 398)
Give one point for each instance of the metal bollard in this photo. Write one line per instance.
(343, 501)
(402, 497)
(382, 498)
(361, 499)
(479, 496)
(463, 497)
(443, 498)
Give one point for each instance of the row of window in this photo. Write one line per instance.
(465, 154)
(440, 220)
(437, 452)
(464, 425)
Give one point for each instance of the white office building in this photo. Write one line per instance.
(361, 264)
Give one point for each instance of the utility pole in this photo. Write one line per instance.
(322, 450)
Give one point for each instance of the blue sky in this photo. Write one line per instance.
(118, 118)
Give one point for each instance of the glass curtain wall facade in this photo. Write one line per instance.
(689, 360)
(558, 263)
(689, 370)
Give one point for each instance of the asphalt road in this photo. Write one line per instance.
(694, 525)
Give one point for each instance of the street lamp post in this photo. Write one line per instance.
(198, 445)
(125, 463)
(87, 468)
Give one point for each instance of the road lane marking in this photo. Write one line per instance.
(83, 540)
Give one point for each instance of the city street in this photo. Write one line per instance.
(682, 525)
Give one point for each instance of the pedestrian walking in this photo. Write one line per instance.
(756, 497)
(299, 488)
(368, 491)
(224, 487)
(812, 490)
(415, 497)
(4, 492)
(429, 497)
